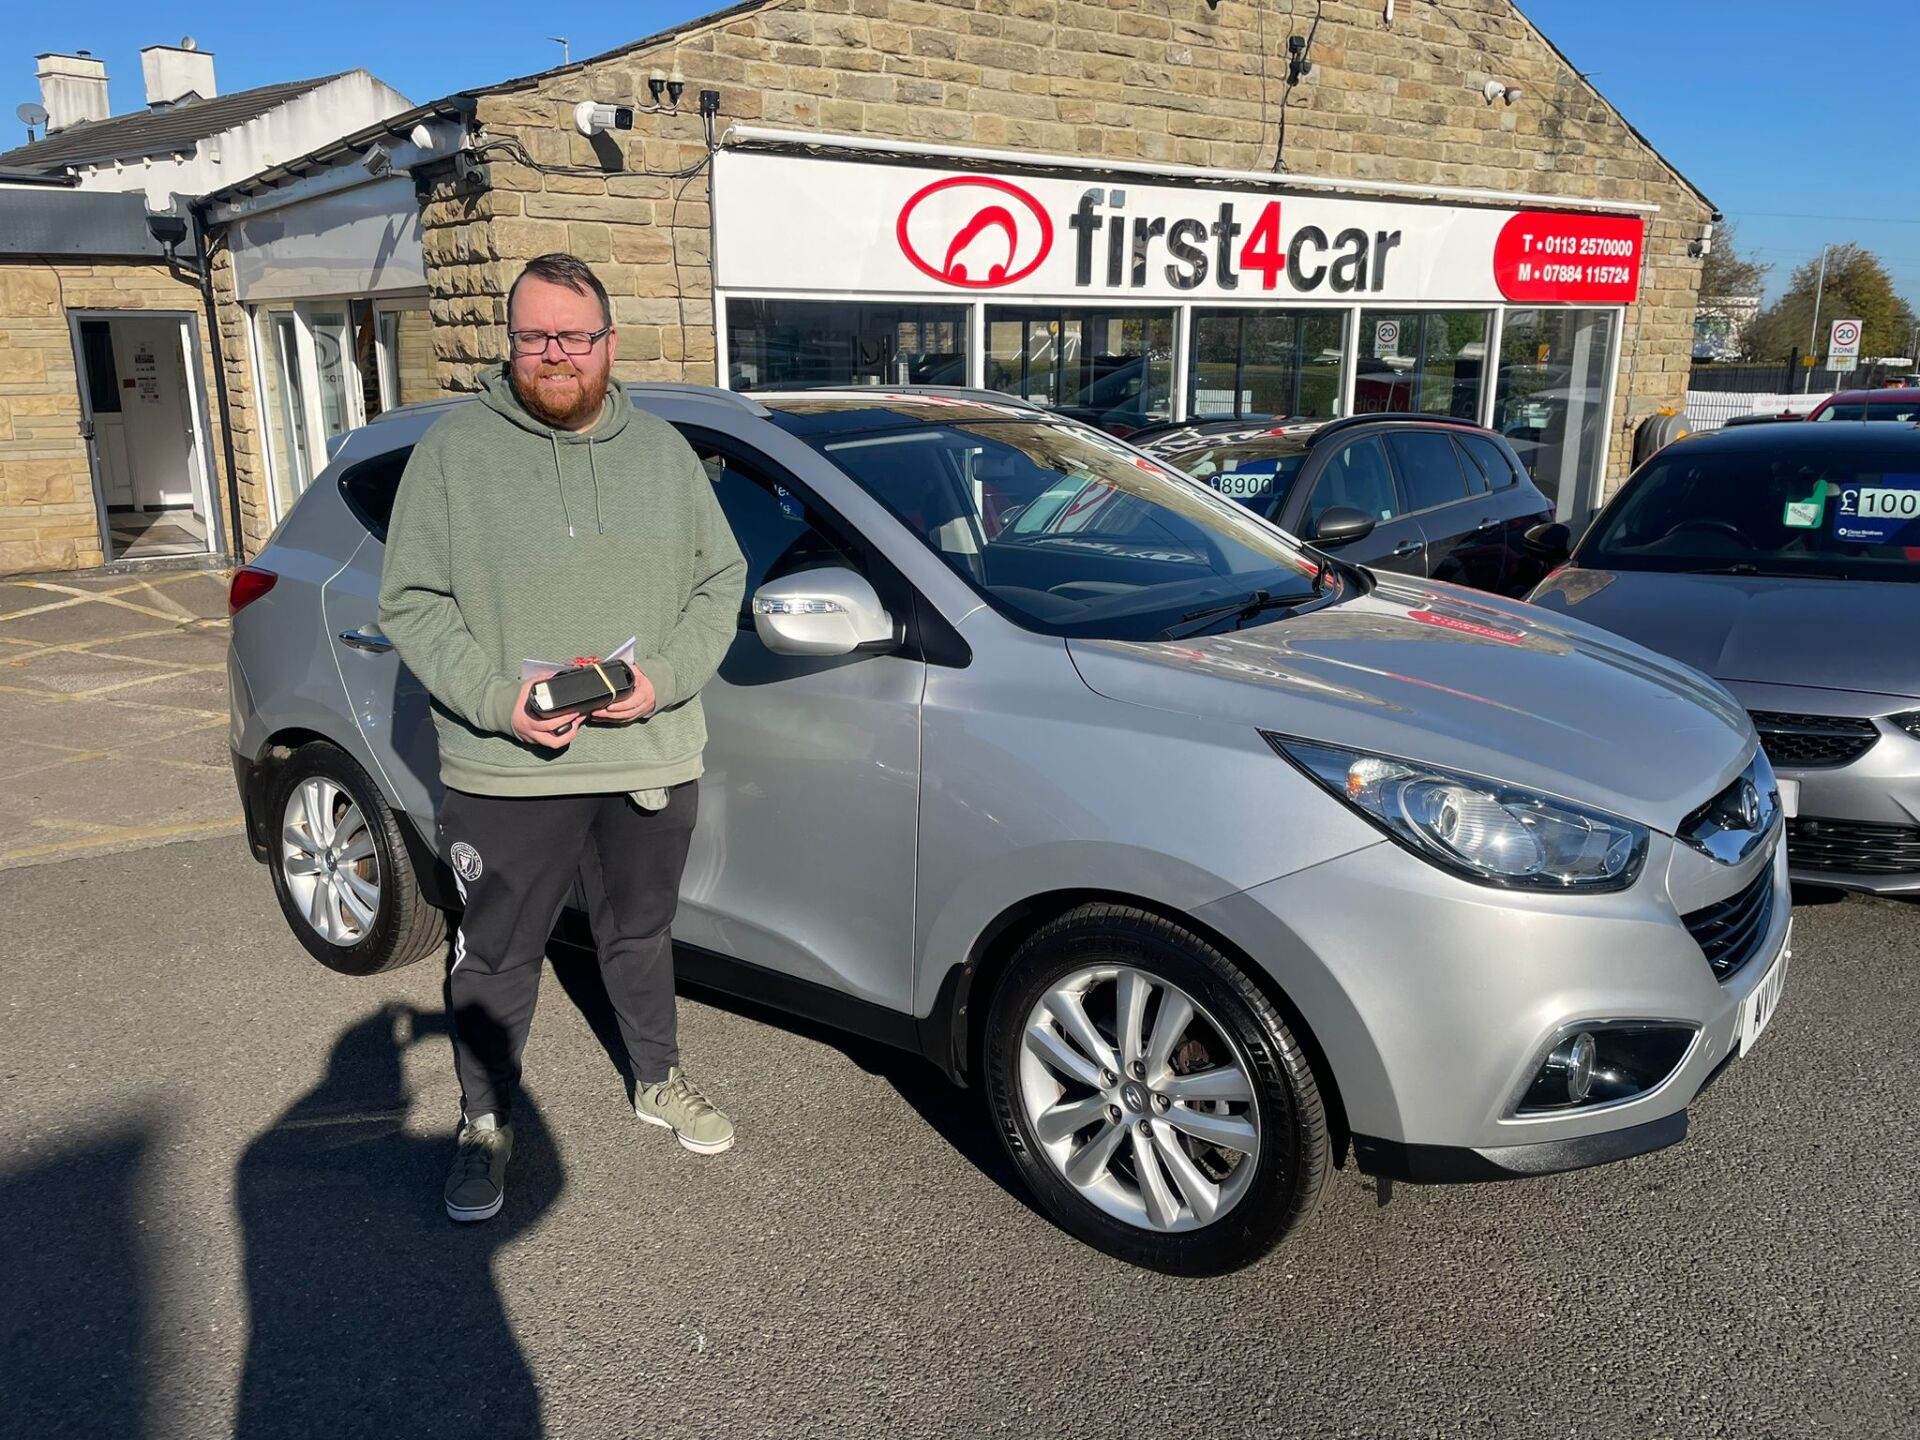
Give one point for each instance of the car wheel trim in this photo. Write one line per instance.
(331, 863)
(1142, 1118)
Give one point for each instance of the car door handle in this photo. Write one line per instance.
(1485, 527)
(360, 640)
(1405, 548)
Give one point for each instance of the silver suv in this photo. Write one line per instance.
(1213, 860)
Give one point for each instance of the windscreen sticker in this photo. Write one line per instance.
(1807, 514)
(1886, 512)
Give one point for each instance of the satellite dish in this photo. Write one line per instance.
(31, 114)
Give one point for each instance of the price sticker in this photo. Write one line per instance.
(1886, 512)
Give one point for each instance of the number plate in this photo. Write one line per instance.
(1757, 1009)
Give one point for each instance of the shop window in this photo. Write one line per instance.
(1426, 361)
(772, 343)
(1111, 368)
(1265, 363)
(1550, 400)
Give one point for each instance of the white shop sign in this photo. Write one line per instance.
(802, 224)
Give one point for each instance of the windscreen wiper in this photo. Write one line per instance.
(1745, 567)
(1245, 608)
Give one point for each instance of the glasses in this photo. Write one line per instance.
(572, 342)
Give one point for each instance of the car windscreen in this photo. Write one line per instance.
(1069, 533)
(1845, 513)
(1252, 474)
(1876, 410)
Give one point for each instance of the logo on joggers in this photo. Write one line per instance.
(466, 861)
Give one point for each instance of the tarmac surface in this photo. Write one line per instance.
(220, 1191)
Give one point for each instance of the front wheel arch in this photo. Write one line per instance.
(953, 1035)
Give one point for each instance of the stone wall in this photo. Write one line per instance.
(248, 416)
(1165, 80)
(47, 515)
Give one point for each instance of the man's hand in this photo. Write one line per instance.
(637, 705)
(553, 734)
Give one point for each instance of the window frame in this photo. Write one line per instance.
(1400, 483)
(926, 635)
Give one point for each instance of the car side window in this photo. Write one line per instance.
(1428, 467)
(1357, 478)
(369, 488)
(777, 531)
(1491, 459)
(1478, 481)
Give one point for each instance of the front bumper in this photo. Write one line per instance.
(1858, 824)
(1432, 1001)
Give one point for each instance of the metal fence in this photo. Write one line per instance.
(1710, 409)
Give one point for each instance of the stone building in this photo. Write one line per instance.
(1135, 212)
(1411, 148)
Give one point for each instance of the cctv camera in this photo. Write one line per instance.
(592, 119)
(1495, 90)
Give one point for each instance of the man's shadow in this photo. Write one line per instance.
(371, 1312)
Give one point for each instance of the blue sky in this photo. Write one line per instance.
(1799, 121)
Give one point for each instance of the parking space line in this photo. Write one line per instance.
(113, 835)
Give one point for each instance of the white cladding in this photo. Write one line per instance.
(363, 241)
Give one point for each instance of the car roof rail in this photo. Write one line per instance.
(952, 392)
(1350, 422)
(735, 398)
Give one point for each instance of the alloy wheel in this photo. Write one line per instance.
(331, 863)
(1138, 1098)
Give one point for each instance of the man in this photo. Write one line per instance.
(554, 520)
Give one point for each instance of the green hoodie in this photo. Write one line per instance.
(512, 540)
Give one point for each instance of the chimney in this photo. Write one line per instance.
(73, 88)
(175, 73)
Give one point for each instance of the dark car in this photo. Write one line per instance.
(1418, 494)
(1784, 561)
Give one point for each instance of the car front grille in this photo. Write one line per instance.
(1729, 931)
(1854, 846)
(1813, 742)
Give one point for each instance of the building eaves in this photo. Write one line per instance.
(154, 132)
(394, 127)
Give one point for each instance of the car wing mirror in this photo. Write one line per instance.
(1551, 540)
(1341, 525)
(830, 611)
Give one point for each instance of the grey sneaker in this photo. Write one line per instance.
(476, 1185)
(677, 1106)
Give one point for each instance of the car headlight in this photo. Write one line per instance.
(1490, 832)
(1909, 722)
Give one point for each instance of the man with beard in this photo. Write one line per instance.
(554, 519)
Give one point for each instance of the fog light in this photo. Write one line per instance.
(1572, 1065)
(1611, 1061)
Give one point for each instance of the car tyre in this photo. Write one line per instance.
(340, 867)
(1106, 954)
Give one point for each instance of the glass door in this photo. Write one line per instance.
(336, 382)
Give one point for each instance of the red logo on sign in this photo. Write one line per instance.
(1003, 238)
(1543, 255)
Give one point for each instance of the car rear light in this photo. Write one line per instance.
(249, 584)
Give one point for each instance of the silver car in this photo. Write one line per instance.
(1213, 861)
(1784, 561)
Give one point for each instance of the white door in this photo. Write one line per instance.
(156, 411)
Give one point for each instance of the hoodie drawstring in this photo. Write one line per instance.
(560, 479)
(594, 470)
